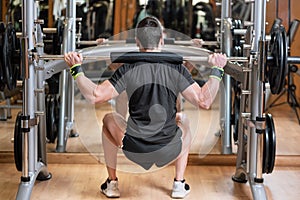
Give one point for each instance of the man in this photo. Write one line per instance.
(154, 132)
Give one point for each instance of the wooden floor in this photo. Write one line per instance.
(82, 182)
(79, 177)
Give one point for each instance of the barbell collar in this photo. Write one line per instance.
(39, 21)
(49, 30)
(239, 31)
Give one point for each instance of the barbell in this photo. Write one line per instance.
(114, 55)
(275, 69)
(132, 40)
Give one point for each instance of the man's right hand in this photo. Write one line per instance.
(73, 58)
(217, 59)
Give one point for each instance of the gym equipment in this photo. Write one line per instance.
(241, 10)
(2, 79)
(132, 40)
(18, 142)
(34, 163)
(52, 117)
(116, 54)
(58, 37)
(10, 57)
(236, 109)
(269, 143)
(203, 25)
(277, 55)
(255, 143)
(290, 87)
(277, 68)
(195, 55)
(237, 43)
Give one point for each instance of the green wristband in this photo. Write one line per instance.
(76, 71)
(217, 73)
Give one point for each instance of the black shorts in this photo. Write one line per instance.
(160, 155)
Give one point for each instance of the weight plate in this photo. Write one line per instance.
(277, 69)
(58, 37)
(47, 100)
(51, 119)
(266, 144)
(9, 50)
(284, 70)
(272, 142)
(2, 79)
(236, 113)
(18, 142)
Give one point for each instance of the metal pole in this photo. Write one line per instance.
(42, 151)
(66, 82)
(71, 15)
(28, 93)
(258, 97)
(225, 107)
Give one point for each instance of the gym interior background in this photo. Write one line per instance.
(107, 18)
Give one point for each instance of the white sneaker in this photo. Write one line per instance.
(110, 188)
(180, 189)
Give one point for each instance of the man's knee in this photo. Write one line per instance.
(114, 122)
(107, 118)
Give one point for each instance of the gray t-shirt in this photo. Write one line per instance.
(152, 87)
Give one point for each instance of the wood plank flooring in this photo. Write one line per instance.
(82, 182)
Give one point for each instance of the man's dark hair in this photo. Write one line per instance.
(149, 32)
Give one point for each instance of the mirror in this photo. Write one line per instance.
(107, 19)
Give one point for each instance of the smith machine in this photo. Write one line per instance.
(263, 61)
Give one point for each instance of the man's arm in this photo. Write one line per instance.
(96, 93)
(204, 96)
(92, 92)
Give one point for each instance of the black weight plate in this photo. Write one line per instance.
(2, 70)
(51, 120)
(236, 117)
(47, 100)
(266, 155)
(9, 47)
(272, 142)
(18, 142)
(276, 70)
(48, 118)
(55, 116)
(58, 37)
(284, 68)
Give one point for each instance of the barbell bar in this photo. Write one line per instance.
(87, 57)
(61, 57)
(167, 41)
(290, 59)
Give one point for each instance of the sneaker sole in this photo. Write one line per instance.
(113, 196)
(177, 196)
